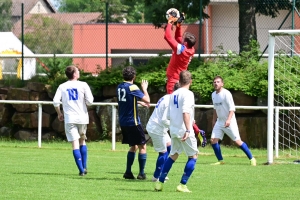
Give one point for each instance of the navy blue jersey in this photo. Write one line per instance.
(128, 94)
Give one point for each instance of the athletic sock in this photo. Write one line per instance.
(167, 166)
(188, 170)
(160, 163)
(245, 148)
(142, 162)
(130, 160)
(83, 152)
(78, 160)
(217, 150)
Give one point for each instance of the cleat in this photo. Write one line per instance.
(182, 188)
(85, 171)
(158, 186)
(253, 162)
(128, 175)
(141, 177)
(157, 179)
(81, 174)
(154, 179)
(218, 163)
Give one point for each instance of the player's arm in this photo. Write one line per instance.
(146, 97)
(89, 98)
(178, 33)
(186, 121)
(168, 37)
(214, 119)
(56, 104)
(229, 101)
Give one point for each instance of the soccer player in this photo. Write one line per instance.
(182, 51)
(75, 95)
(181, 115)
(157, 128)
(129, 96)
(224, 121)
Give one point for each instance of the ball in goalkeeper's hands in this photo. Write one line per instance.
(172, 12)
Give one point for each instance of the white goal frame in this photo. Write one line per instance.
(270, 127)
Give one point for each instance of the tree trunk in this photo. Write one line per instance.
(247, 23)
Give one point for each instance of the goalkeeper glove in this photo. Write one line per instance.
(202, 138)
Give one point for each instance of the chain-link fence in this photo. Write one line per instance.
(45, 31)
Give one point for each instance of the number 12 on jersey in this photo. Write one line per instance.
(122, 96)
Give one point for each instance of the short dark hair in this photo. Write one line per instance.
(176, 86)
(70, 70)
(190, 39)
(185, 78)
(129, 73)
(218, 77)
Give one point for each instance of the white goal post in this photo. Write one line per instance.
(283, 129)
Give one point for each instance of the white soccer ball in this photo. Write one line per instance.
(172, 11)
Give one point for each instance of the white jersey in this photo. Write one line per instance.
(74, 95)
(223, 103)
(181, 101)
(158, 122)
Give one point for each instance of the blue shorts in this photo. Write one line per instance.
(133, 135)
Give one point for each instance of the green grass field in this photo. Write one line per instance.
(29, 172)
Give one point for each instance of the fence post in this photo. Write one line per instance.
(113, 128)
(40, 126)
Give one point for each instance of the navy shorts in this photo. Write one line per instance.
(133, 135)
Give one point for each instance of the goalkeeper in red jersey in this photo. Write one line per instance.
(182, 50)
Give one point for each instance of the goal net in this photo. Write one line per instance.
(284, 97)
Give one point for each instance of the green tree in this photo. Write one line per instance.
(247, 21)
(5, 15)
(45, 30)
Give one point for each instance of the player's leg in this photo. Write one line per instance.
(73, 136)
(160, 146)
(130, 154)
(233, 132)
(175, 151)
(216, 135)
(83, 147)
(140, 139)
(170, 85)
(191, 150)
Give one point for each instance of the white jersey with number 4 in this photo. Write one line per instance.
(223, 103)
(158, 122)
(181, 101)
(74, 95)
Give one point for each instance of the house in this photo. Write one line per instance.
(220, 31)
(30, 7)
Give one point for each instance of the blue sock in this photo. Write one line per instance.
(83, 152)
(160, 163)
(217, 150)
(245, 148)
(130, 160)
(168, 149)
(142, 162)
(188, 170)
(167, 166)
(77, 157)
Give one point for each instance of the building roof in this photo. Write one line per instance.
(28, 5)
(70, 18)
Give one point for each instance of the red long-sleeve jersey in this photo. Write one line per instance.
(181, 54)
